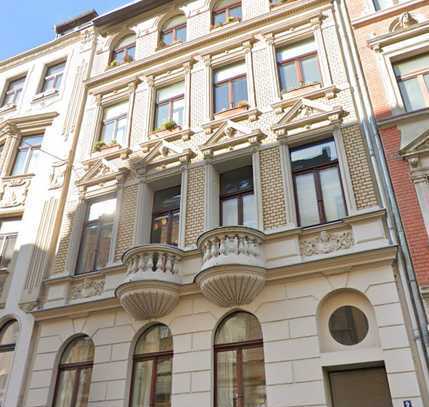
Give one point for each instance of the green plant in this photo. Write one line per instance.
(114, 142)
(243, 103)
(113, 63)
(169, 125)
(231, 19)
(99, 145)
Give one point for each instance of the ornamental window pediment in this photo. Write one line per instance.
(307, 115)
(160, 155)
(230, 135)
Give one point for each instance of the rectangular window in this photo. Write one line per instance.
(9, 229)
(298, 65)
(237, 198)
(170, 106)
(13, 92)
(115, 124)
(318, 189)
(53, 77)
(412, 76)
(383, 4)
(226, 11)
(97, 235)
(230, 87)
(166, 216)
(28, 155)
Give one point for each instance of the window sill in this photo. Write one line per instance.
(17, 177)
(379, 14)
(231, 114)
(171, 135)
(162, 46)
(45, 95)
(109, 154)
(307, 92)
(118, 65)
(226, 24)
(8, 108)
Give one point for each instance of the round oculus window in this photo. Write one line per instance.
(348, 325)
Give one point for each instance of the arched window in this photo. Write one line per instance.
(8, 337)
(125, 51)
(239, 362)
(174, 30)
(74, 375)
(153, 356)
(226, 11)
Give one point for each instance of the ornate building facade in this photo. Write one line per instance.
(223, 238)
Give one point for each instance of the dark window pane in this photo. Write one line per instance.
(226, 385)
(235, 12)
(161, 115)
(254, 377)
(174, 240)
(160, 229)
(307, 199)
(7, 250)
(84, 387)
(181, 34)
(332, 193)
(142, 383)
(104, 247)
(219, 18)
(249, 211)
(20, 163)
(131, 51)
(239, 327)
(310, 70)
(230, 212)
(411, 65)
(65, 387)
(163, 383)
(78, 351)
(288, 77)
(167, 38)
(119, 56)
(33, 162)
(49, 84)
(88, 250)
(239, 91)
(412, 94)
(167, 199)
(221, 97)
(313, 155)
(348, 325)
(155, 339)
(239, 180)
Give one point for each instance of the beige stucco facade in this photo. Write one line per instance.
(292, 278)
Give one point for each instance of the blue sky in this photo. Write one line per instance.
(25, 24)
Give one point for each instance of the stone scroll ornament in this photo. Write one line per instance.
(326, 243)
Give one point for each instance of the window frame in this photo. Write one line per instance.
(29, 148)
(226, 10)
(115, 120)
(235, 195)
(298, 68)
(9, 347)
(229, 82)
(173, 30)
(394, 4)
(419, 75)
(47, 77)
(166, 212)
(7, 92)
(316, 176)
(3, 241)
(170, 102)
(77, 367)
(124, 48)
(101, 225)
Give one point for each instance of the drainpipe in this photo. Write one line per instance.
(411, 289)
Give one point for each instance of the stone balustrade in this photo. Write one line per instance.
(151, 286)
(233, 265)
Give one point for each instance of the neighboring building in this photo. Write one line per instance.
(222, 240)
(39, 97)
(392, 39)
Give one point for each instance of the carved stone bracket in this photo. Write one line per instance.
(56, 177)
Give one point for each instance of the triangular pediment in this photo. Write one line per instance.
(99, 171)
(161, 154)
(229, 135)
(418, 146)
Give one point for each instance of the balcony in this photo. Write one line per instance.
(233, 265)
(150, 289)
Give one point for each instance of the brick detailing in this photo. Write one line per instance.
(406, 196)
(273, 202)
(127, 221)
(195, 205)
(359, 168)
(59, 263)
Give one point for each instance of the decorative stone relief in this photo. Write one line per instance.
(87, 288)
(56, 177)
(404, 21)
(14, 192)
(326, 242)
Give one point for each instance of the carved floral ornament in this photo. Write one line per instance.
(326, 243)
(89, 287)
(305, 114)
(14, 191)
(403, 22)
